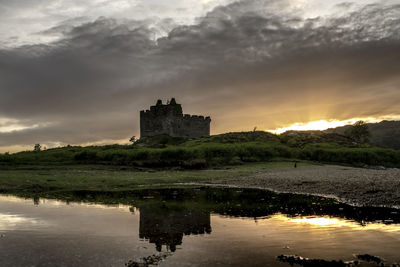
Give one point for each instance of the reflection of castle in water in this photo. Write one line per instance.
(167, 227)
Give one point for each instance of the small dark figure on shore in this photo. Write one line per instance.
(295, 164)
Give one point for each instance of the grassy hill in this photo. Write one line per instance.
(383, 134)
(230, 148)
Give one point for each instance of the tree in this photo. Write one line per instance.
(37, 148)
(133, 139)
(359, 131)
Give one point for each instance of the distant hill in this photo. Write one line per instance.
(219, 150)
(383, 134)
(303, 138)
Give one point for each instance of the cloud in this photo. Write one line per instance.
(245, 64)
(10, 125)
(22, 22)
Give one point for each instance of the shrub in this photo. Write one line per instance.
(86, 156)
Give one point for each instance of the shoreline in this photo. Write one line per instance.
(353, 186)
(350, 185)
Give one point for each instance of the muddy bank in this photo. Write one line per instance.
(356, 186)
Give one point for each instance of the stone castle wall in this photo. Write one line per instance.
(169, 119)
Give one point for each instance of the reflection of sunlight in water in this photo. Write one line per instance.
(320, 221)
(326, 221)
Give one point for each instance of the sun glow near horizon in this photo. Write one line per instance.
(320, 125)
(313, 125)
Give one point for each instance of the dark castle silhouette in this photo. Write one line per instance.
(169, 119)
(167, 227)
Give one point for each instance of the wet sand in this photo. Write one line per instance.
(356, 186)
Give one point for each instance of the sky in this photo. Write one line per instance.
(79, 71)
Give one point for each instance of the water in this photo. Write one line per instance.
(190, 227)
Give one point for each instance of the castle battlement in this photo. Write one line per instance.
(169, 119)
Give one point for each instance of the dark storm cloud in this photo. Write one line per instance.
(240, 61)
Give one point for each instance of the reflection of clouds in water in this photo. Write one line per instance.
(14, 199)
(60, 203)
(17, 222)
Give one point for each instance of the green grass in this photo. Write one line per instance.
(112, 178)
(92, 179)
(210, 152)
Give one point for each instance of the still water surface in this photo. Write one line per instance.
(201, 227)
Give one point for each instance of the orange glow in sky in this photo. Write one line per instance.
(326, 124)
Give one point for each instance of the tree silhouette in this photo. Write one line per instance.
(133, 139)
(37, 147)
(359, 131)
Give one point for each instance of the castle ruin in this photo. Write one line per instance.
(169, 119)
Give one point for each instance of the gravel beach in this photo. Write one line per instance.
(356, 186)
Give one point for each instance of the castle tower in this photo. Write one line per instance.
(169, 119)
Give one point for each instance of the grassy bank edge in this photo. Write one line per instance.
(113, 178)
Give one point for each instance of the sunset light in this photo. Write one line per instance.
(313, 125)
(333, 222)
(199, 132)
(319, 221)
(321, 125)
